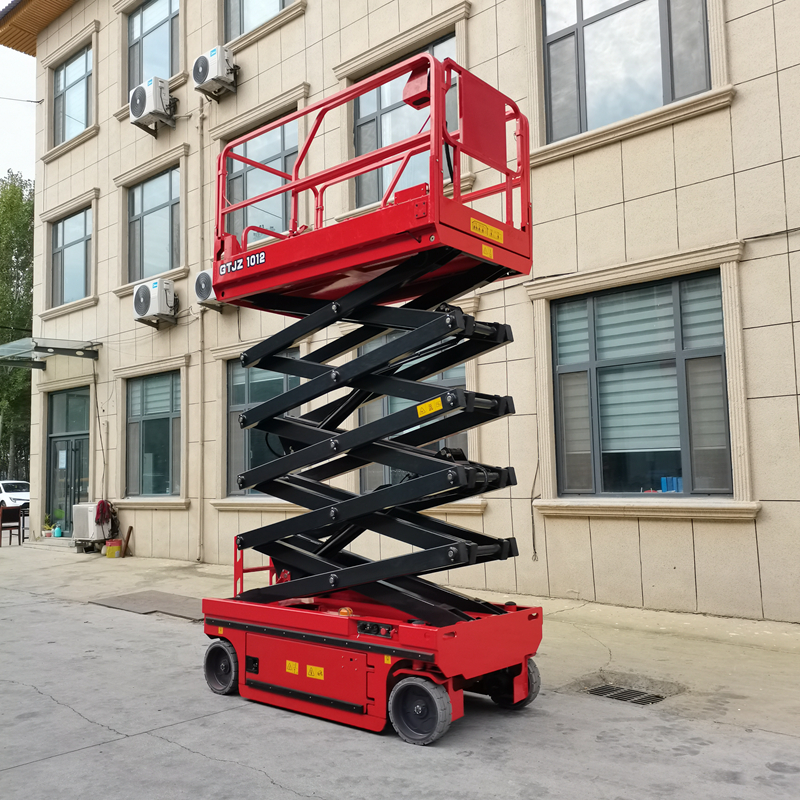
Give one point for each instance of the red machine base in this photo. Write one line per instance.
(350, 660)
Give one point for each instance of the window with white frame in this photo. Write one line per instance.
(640, 390)
(382, 118)
(607, 60)
(154, 435)
(153, 41)
(71, 256)
(154, 226)
(72, 96)
(242, 16)
(248, 448)
(276, 149)
(374, 475)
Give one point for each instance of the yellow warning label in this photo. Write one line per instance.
(387, 659)
(482, 229)
(318, 673)
(428, 408)
(488, 252)
(220, 631)
(293, 667)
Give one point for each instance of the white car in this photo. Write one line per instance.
(15, 493)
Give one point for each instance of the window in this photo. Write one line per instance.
(276, 149)
(242, 16)
(247, 388)
(153, 41)
(72, 96)
(641, 404)
(375, 475)
(607, 60)
(154, 434)
(382, 118)
(154, 226)
(72, 252)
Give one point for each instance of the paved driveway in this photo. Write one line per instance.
(101, 703)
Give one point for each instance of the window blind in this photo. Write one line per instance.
(701, 312)
(635, 323)
(572, 332)
(639, 408)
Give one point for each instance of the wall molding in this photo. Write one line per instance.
(296, 9)
(243, 123)
(470, 507)
(165, 503)
(79, 40)
(704, 103)
(152, 167)
(170, 275)
(73, 382)
(236, 503)
(234, 350)
(56, 152)
(68, 308)
(152, 367)
(734, 370)
(432, 28)
(659, 509)
(72, 205)
(649, 269)
(124, 6)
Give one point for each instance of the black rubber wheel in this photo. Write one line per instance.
(534, 684)
(221, 667)
(2, 503)
(420, 710)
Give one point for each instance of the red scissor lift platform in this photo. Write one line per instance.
(335, 634)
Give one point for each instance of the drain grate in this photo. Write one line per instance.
(627, 695)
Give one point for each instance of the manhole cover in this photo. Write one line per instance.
(626, 695)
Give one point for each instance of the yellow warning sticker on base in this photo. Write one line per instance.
(293, 667)
(430, 407)
(482, 229)
(387, 659)
(220, 631)
(487, 252)
(318, 673)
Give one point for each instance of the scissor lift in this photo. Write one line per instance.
(336, 634)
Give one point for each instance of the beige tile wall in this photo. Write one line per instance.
(733, 173)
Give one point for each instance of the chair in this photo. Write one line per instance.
(10, 521)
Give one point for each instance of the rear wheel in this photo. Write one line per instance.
(506, 700)
(420, 710)
(222, 667)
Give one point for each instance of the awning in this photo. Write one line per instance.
(31, 353)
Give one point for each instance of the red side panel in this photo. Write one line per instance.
(483, 121)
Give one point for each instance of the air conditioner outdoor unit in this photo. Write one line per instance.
(150, 103)
(154, 301)
(204, 290)
(214, 72)
(84, 528)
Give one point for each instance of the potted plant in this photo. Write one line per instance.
(47, 527)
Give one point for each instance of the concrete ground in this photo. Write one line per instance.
(101, 703)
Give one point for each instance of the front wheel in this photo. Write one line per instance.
(221, 667)
(420, 710)
(534, 684)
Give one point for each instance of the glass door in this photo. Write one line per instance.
(68, 456)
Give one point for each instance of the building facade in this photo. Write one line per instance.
(655, 362)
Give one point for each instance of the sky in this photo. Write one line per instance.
(17, 120)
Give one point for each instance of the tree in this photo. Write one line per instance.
(16, 309)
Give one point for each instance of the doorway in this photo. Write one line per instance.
(68, 455)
